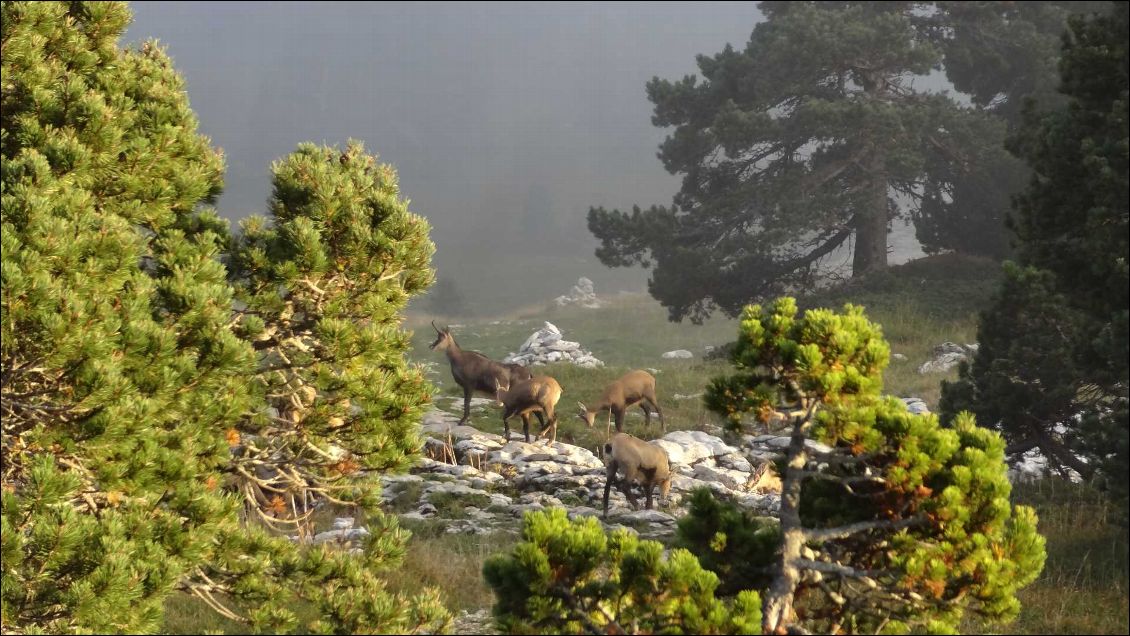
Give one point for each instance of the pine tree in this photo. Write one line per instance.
(900, 524)
(119, 370)
(320, 286)
(569, 577)
(1002, 55)
(323, 285)
(127, 411)
(1073, 251)
(788, 149)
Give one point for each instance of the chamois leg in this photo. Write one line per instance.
(506, 425)
(552, 424)
(648, 483)
(655, 405)
(466, 405)
(526, 426)
(619, 415)
(610, 476)
(541, 422)
(626, 484)
(646, 414)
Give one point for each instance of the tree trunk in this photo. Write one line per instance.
(871, 226)
(777, 606)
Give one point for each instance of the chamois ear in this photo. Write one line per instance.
(584, 409)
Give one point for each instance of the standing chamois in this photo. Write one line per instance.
(634, 387)
(640, 462)
(536, 395)
(475, 372)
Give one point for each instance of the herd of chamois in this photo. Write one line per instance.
(520, 393)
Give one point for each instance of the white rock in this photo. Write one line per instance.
(688, 447)
(733, 479)
(915, 405)
(650, 516)
(678, 354)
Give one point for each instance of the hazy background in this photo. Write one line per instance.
(504, 121)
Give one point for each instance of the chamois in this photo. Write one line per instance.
(639, 461)
(473, 371)
(634, 387)
(536, 395)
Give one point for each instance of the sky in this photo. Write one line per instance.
(505, 121)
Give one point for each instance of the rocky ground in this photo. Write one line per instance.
(477, 482)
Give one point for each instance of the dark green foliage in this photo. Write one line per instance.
(1001, 54)
(569, 577)
(728, 541)
(902, 524)
(790, 147)
(1022, 378)
(128, 413)
(1072, 232)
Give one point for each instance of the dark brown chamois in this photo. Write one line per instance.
(475, 372)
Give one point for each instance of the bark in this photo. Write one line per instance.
(777, 607)
(871, 225)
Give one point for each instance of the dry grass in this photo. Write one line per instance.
(1083, 588)
(452, 563)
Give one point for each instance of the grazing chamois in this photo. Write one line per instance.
(634, 387)
(536, 395)
(639, 461)
(473, 371)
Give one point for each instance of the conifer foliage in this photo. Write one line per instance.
(118, 366)
(897, 523)
(569, 577)
(322, 286)
(1054, 367)
(138, 405)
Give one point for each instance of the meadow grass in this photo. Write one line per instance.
(1083, 588)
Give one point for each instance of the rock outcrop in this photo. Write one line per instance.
(947, 356)
(582, 294)
(547, 345)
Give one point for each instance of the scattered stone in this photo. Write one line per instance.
(692, 396)
(582, 294)
(947, 356)
(546, 345)
(678, 354)
(898, 357)
(916, 405)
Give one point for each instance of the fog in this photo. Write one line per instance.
(504, 121)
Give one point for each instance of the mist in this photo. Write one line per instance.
(504, 121)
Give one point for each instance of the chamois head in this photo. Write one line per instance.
(665, 487)
(500, 392)
(443, 338)
(586, 416)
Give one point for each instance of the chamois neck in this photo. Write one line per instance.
(454, 353)
(602, 406)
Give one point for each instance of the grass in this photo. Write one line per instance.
(1083, 588)
(451, 563)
